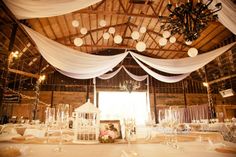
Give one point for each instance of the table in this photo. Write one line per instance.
(193, 149)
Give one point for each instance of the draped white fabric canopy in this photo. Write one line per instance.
(227, 16)
(81, 65)
(183, 65)
(26, 9)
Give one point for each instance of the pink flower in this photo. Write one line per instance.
(103, 132)
(111, 134)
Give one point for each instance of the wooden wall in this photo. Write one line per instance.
(75, 99)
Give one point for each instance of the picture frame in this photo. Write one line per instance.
(113, 125)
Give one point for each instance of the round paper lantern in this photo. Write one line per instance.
(166, 34)
(83, 31)
(172, 39)
(192, 52)
(142, 29)
(78, 41)
(111, 30)
(106, 36)
(141, 46)
(117, 39)
(188, 42)
(102, 23)
(135, 35)
(75, 23)
(162, 41)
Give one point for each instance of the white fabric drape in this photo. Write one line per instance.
(183, 65)
(26, 9)
(227, 15)
(72, 62)
(135, 77)
(167, 79)
(110, 75)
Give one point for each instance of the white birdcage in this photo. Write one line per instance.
(87, 124)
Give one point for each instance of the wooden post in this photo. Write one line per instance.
(153, 83)
(184, 92)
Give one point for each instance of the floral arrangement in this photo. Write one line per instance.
(108, 135)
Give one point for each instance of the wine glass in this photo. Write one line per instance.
(62, 122)
(49, 119)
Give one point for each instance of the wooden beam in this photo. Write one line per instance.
(90, 31)
(124, 47)
(103, 12)
(222, 79)
(23, 73)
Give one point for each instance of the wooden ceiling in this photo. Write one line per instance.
(125, 16)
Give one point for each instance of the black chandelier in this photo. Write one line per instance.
(189, 19)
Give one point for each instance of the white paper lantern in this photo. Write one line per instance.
(102, 23)
(112, 30)
(192, 52)
(117, 39)
(135, 35)
(78, 41)
(166, 34)
(172, 39)
(142, 29)
(188, 42)
(106, 35)
(83, 31)
(162, 41)
(141, 46)
(75, 23)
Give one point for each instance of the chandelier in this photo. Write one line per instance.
(189, 19)
(129, 85)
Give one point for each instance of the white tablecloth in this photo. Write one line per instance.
(189, 149)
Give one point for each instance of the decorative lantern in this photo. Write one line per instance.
(87, 124)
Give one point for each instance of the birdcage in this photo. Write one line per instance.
(87, 124)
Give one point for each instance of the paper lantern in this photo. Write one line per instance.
(162, 41)
(83, 31)
(102, 23)
(112, 30)
(142, 29)
(106, 36)
(166, 34)
(172, 39)
(141, 46)
(135, 35)
(75, 23)
(117, 39)
(188, 42)
(192, 52)
(78, 41)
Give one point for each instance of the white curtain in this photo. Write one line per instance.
(167, 79)
(227, 15)
(183, 65)
(110, 75)
(26, 9)
(72, 62)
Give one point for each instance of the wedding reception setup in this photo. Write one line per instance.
(124, 78)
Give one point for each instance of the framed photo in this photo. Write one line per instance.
(113, 125)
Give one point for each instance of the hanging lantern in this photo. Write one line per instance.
(188, 42)
(166, 34)
(102, 23)
(162, 41)
(83, 31)
(117, 39)
(75, 23)
(112, 30)
(172, 39)
(141, 46)
(106, 36)
(135, 35)
(78, 41)
(192, 52)
(142, 29)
